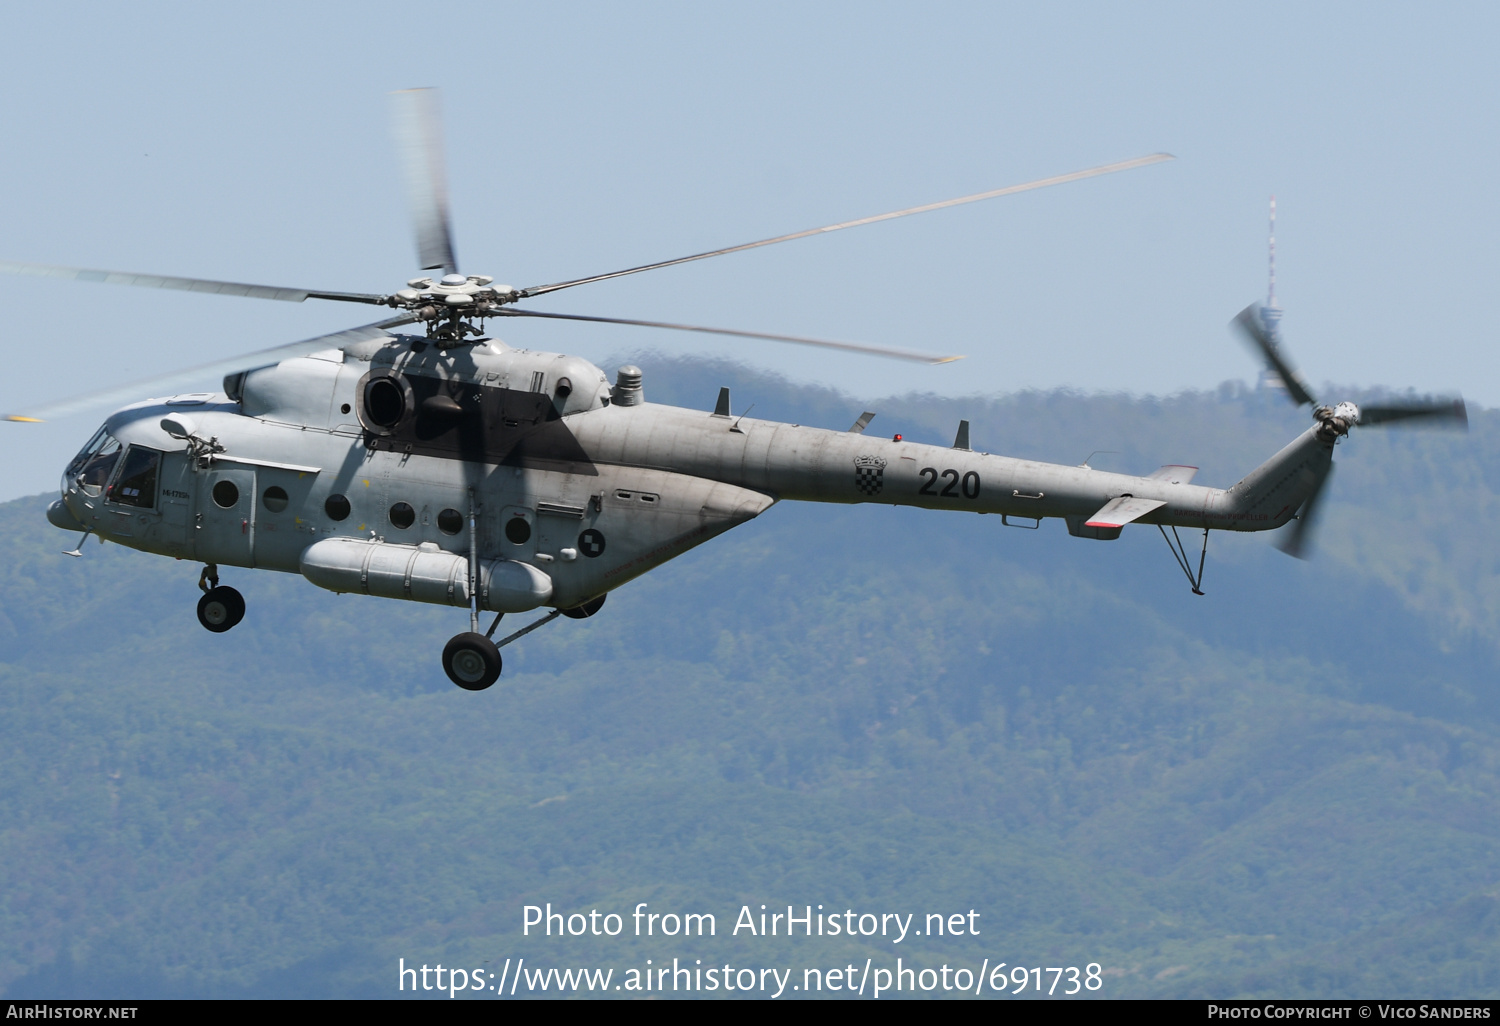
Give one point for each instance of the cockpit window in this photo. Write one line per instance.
(93, 446)
(136, 485)
(96, 462)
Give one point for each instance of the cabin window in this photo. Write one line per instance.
(136, 485)
(336, 506)
(402, 515)
(518, 531)
(450, 521)
(275, 498)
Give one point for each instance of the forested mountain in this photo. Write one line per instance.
(1290, 786)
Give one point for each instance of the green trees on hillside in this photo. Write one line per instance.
(1290, 786)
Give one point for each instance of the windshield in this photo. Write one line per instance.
(88, 450)
(95, 462)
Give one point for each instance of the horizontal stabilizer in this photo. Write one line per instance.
(1174, 473)
(1121, 511)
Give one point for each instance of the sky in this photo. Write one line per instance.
(251, 143)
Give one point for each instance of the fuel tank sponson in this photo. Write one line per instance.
(422, 574)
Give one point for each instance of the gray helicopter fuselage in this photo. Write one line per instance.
(402, 469)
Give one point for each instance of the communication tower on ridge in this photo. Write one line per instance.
(1270, 313)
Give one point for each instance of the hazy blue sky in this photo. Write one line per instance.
(250, 142)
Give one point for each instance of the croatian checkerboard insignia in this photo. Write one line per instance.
(869, 472)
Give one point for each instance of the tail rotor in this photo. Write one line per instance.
(1335, 422)
(1296, 540)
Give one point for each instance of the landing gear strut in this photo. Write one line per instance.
(221, 607)
(472, 661)
(1179, 552)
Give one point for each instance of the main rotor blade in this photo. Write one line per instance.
(1041, 183)
(162, 281)
(168, 384)
(417, 123)
(1248, 321)
(852, 347)
(1298, 540)
(1447, 412)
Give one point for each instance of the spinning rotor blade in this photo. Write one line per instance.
(1447, 412)
(1248, 321)
(162, 281)
(418, 126)
(853, 347)
(1041, 183)
(167, 384)
(1297, 542)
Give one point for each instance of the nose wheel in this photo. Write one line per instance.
(221, 608)
(472, 661)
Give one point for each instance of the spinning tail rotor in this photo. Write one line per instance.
(1335, 422)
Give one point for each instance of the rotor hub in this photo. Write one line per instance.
(448, 305)
(1334, 422)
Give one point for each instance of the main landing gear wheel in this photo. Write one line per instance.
(221, 608)
(471, 661)
(586, 610)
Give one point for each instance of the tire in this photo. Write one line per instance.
(220, 609)
(471, 661)
(586, 610)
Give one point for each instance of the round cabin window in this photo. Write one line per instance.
(450, 521)
(402, 515)
(225, 494)
(518, 530)
(274, 498)
(336, 506)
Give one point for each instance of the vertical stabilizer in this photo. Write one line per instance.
(1275, 490)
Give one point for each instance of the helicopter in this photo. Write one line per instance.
(442, 465)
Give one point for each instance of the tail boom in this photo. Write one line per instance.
(797, 463)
